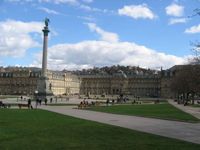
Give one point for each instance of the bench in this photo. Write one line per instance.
(157, 101)
(7, 105)
(80, 106)
(23, 105)
(2, 105)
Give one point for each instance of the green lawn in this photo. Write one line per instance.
(163, 111)
(42, 130)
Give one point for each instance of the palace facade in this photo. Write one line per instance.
(23, 81)
(137, 85)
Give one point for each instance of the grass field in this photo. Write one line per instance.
(42, 130)
(163, 111)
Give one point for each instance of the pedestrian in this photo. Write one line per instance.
(29, 104)
(40, 101)
(45, 101)
(56, 99)
(107, 101)
(113, 101)
(67, 98)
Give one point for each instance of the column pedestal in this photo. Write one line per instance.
(44, 87)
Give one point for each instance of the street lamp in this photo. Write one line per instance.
(36, 94)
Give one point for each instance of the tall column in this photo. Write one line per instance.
(45, 45)
(44, 86)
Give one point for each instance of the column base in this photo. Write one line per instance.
(43, 88)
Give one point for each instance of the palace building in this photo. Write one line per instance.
(137, 85)
(23, 81)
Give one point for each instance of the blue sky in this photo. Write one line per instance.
(88, 33)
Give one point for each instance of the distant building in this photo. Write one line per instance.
(143, 83)
(23, 81)
(119, 83)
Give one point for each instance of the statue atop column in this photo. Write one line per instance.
(46, 21)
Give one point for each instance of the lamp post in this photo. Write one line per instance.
(36, 98)
(36, 94)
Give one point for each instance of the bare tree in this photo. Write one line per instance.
(186, 82)
(180, 84)
(196, 54)
(195, 45)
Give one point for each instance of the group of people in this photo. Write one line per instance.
(83, 104)
(120, 99)
(108, 101)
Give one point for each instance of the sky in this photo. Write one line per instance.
(95, 33)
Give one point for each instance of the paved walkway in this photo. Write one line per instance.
(173, 129)
(195, 111)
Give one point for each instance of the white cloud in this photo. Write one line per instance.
(105, 36)
(137, 11)
(86, 7)
(73, 2)
(102, 53)
(46, 1)
(93, 9)
(174, 10)
(105, 52)
(78, 4)
(87, 54)
(177, 20)
(21, 1)
(87, 1)
(87, 18)
(193, 29)
(49, 11)
(15, 38)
